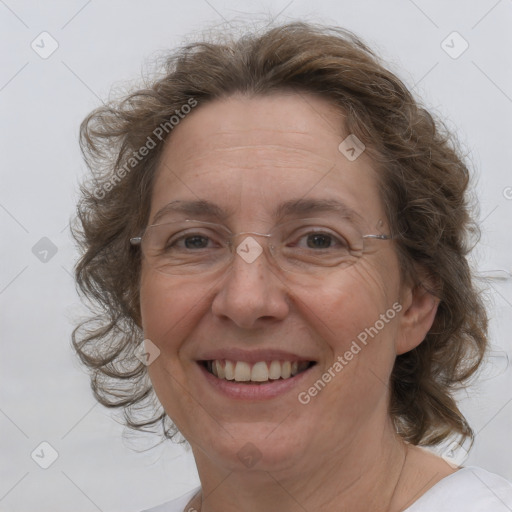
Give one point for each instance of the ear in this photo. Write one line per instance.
(419, 308)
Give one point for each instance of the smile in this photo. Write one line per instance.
(258, 372)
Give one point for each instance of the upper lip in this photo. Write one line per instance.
(251, 356)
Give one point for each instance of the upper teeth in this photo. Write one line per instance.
(262, 371)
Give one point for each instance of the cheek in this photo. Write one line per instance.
(344, 307)
(355, 320)
(156, 312)
(356, 324)
(168, 308)
(172, 308)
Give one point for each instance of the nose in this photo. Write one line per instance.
(251, 293)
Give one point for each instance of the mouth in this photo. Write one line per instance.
(260, 372)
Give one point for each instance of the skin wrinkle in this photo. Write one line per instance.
(289, 181)
(327, 210)
(272, 162)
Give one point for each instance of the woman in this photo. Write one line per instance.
(286, 228)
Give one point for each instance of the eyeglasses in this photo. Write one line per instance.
(302, 246)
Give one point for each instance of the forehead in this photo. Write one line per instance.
(294, 123)
(247, 154)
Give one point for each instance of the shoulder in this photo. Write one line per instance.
(176, 505)
(470, 489)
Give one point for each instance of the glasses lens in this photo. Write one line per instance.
(316, 245)
(304, 246)
(186, 247)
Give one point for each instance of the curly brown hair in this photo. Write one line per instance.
(424, 187)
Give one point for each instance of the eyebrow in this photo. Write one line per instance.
(200, 208)
(291, 208)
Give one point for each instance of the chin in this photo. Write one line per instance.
(251, 448)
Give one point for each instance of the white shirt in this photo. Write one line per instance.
(470, 489)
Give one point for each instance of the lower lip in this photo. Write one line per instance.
(241, 391)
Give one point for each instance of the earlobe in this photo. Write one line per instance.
(418, 314)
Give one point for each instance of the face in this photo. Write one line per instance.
(247, 156)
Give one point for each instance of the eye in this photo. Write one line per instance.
(194, 242)
(191, 241)
(320, 239)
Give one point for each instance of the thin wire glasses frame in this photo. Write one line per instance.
(160, 246)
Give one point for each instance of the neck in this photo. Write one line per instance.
(358, 476)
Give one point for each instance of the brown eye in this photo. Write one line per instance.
(319, 241)
(189, 241)
(195, 242)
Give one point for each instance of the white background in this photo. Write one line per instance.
(44, 395)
